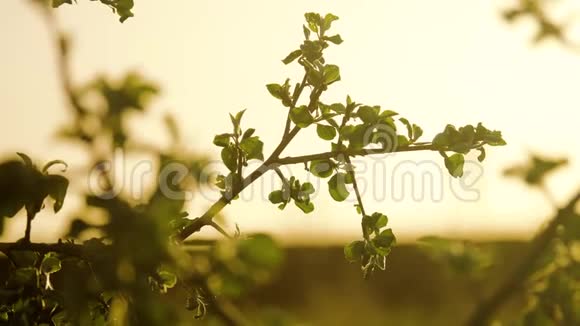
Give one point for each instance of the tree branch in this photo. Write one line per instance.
(486, 310)
(268, 165)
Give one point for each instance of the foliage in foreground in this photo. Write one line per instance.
(139, 255)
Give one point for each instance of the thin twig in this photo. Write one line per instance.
(220, 229)
(70, 249)
(351, 172)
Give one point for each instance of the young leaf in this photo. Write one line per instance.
(276, 197)
(381, 220)
(275, 90)
(321, 168)
(313, 20)
(229, 157)
(336, 39)
(168, 279)
(454, 165)
(306, 32)
(368, 114)
(337, 187)
(222, 140)
(354, 251)
(292, 56)
(253, 147)
(325, 132)
(301, 116)
(50, 264)
(409, 127)
(306, 207)
(248, 133)
(328, 19)
(384, 241)
(417, 132)
(307, 188)
(331, 74)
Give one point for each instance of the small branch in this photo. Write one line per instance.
(294, 102)
(357, 193)
(486, 310)
(28, 229)
(64, 248)
(360, 152)
(219, 229)
(62, 61)
(281, 175)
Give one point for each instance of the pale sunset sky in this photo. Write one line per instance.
(435, 62)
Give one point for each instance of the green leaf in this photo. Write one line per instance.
(248, 133)
(276, 90)
(402, 141)
(222, 140)
(331, 74)
(354, 251)
(236, 120)
(50, 264)
(307, 188)
(454, 165)
(168, 279)
(384, 241)
(253, 147)
(338, 108)
(388, 114)
(57, 186)
(368, 114)
(325, 132)
(277, 197)
(381, 220)
(441, 141)
(306, 32)
(337, 187)
(328, 19)
(230, 157)
(306, 207)
(409, 127)
(260, 251)
(301, 116)
(322, 168)
(374, 222)
(312, 51)
(313, 20)
(417, 132)
(291, 57)
(336, 39)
